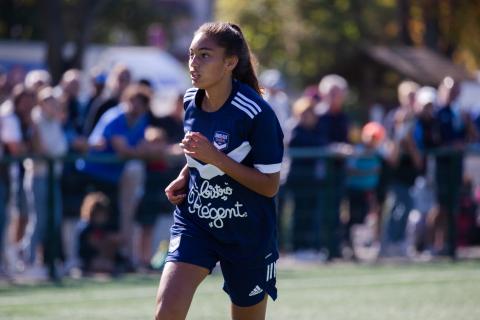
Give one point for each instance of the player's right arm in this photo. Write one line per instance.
(176, 191)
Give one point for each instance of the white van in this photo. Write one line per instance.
(166, 74)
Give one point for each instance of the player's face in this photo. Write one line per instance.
(207, 62)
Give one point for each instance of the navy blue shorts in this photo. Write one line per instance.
(245, 286)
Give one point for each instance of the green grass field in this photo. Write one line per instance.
(441, 291)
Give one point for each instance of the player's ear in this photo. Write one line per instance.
(231, 62)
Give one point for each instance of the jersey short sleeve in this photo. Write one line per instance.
(188, 97)
(266, 140)
(98, 131)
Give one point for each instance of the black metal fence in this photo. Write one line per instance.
(329, 184)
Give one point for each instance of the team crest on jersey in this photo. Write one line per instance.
(220, 140)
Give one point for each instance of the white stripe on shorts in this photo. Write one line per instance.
(271, 272)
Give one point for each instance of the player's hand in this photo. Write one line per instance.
(199, 147)
(176, 190)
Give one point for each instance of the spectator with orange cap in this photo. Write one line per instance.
(363, 170)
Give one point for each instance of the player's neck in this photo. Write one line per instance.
(215, 97)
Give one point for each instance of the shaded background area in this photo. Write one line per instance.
(304, 39)
(369, 47)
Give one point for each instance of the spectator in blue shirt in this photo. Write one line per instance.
(120, 132)
(363, 169)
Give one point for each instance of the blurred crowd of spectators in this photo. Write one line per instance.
(401, 176)
(112, 214)
(103, 211)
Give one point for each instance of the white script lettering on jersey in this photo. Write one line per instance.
(196, 204)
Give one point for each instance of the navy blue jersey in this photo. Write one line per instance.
(240, 221)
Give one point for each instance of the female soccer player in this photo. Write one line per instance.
(224, 195)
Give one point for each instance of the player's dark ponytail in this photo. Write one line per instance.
(230, 37)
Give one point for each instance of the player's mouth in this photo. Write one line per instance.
(194, 76)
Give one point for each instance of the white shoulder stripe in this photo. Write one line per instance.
(250, 101)
(246, 105)
(243, 109)
(188, 95)
(268, 168)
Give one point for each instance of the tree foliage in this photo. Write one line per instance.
(308, 38)
(75, 23)
(448, 26)
(303, 38)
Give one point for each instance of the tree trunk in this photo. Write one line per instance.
(52, 18)
(357, 7)
(87, 10)
(7, 18)
(404, 21)
(432, 30)
(54, 36)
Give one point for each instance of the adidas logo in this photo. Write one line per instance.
(255, 291)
